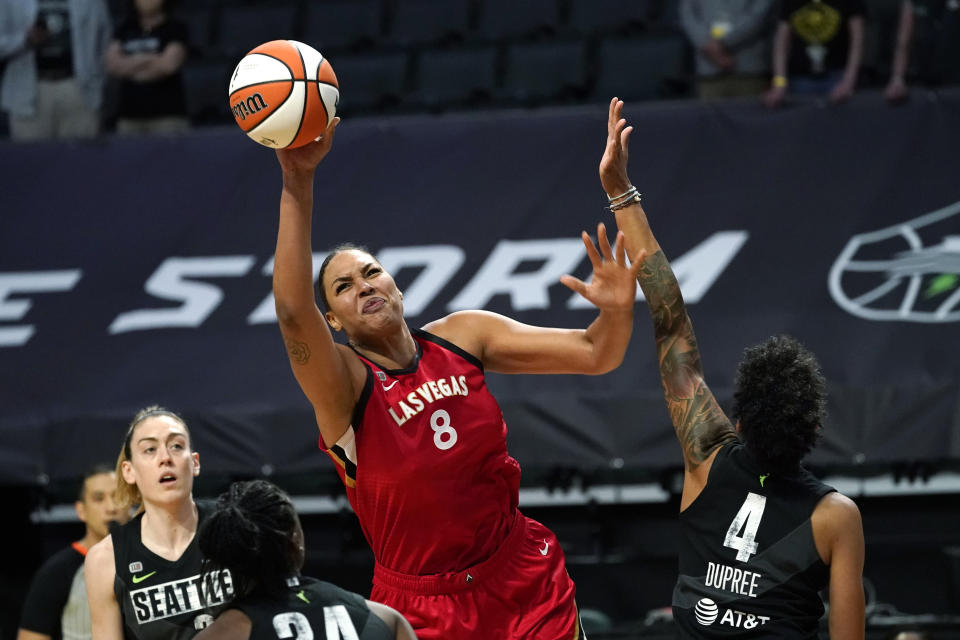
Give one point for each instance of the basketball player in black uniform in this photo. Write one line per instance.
(761, 535)
(144, 580)
(255, 534)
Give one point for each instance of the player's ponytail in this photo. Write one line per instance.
(252, 534)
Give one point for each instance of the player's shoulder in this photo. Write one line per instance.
(99, 553)
(835, 516)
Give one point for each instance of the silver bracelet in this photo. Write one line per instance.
(623, 204)
(622, 195)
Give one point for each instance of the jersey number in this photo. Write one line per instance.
(747, 519)
(444, 436)
(294, 624)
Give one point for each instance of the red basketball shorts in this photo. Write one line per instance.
(523, 591)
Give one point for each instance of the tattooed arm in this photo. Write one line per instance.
(700, 424)
(329, 374)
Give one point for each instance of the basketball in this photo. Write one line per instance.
(283, 94)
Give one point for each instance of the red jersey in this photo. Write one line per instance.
(425, 462)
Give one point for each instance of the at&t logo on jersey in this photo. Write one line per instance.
(706, 612)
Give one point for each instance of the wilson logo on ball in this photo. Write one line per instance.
(251, 105)
(283, 94)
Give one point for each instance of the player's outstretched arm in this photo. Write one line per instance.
(392, 618)
(508, 346)
(700, 424)
(106, 622)
(328, 373)
(838, 532)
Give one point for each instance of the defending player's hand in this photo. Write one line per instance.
(614, 282)
(613, 164)
(307, 157)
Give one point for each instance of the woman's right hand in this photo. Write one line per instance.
(307, 157)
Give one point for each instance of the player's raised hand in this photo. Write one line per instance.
(613, 164)
(307, 157)
(614, 282)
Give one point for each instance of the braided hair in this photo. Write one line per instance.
(252, 534)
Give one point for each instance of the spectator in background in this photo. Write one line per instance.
(147, 55)
(930, 29)
(831, 34)
(53, 83)
(732, 43)
(56, 605)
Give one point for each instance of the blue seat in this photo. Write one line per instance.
(425, 22)
(370, 81)
(540, 72)
(454, 77)
(642, 68)
(243, 27)
(604, 16)
(501, 19)
(199, 22)
(206, 85)
(342, 24)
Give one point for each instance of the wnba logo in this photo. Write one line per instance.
(706, 611)
(251, 105)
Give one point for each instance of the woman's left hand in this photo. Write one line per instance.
(614, 282)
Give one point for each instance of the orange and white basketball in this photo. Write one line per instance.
(283, 94)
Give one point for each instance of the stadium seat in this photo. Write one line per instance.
(424, 22)
(602, 16)
(205, 84)
(243, 27)
(329, 26)
(199, 21)
(542, 72)
(501, 19)
(451, 77)
(642, 68)
(369, 82)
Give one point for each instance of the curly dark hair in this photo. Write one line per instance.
(780, 401)
(251, 533)
(340, 248)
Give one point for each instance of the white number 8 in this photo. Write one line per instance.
(444, 435)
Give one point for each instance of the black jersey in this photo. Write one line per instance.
(160, 599)
(749, 567)
(312, 609)
(56, 604)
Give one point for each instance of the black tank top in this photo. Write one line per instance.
(312, 609)
(749, 567)
(160, 599)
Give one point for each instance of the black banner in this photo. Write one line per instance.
(137, 271)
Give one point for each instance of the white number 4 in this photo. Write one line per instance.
(748, 519)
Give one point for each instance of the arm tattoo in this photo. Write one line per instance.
(299, 352)
(700, 424)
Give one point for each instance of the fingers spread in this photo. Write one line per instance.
(595, 258)
(575, 284)
(604, 242)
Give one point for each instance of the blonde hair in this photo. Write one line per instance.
(128, 495)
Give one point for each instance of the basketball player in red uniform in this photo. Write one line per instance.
(419, 441)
